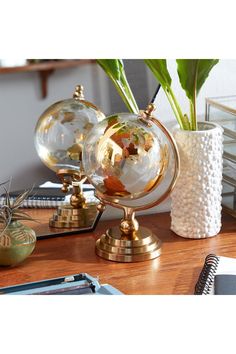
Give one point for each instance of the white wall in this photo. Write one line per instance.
(21, 105)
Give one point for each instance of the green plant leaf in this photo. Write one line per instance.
(114, 68)
(160, 71)
(193, 73)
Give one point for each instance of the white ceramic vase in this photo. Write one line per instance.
(196, 199)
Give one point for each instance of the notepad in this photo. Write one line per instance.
(49, 195)
(217, 277)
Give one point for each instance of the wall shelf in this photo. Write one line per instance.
(45, 69)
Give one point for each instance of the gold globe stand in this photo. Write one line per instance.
(129, 242)
(78, 213)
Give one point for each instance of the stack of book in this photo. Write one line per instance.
(49, 195)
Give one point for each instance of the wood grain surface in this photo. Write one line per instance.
(174, 272)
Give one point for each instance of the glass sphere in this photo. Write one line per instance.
(124, 158)
(61, 130)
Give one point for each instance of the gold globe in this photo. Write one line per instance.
(59, 138)
(61, 130)
(126, 157)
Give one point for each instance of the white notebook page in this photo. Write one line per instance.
(226, 265)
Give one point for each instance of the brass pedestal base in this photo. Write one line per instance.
(142, 245)
(69, 217)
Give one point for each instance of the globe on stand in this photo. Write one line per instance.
(126, 157)
(59, 139)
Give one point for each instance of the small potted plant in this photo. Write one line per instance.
(17, 241)
(196, 199)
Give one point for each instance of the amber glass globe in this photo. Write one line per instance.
(125, 158)
(61, 130)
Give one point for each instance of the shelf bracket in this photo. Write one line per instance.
(44, 75)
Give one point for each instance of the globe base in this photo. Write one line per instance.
(140, 245)
(69, 217)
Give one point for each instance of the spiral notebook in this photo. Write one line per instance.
(218, 276)
(49, 195)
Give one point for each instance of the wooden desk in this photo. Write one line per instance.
(174, 272)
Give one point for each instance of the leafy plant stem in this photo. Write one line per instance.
(183, 122)
(193, 101)
(114, 68)
(193, 115)
(174, 110)
(126, 94)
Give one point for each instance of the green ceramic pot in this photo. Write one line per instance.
(16, 244)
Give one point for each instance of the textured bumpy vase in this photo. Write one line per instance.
(16, 244)
(196, 199)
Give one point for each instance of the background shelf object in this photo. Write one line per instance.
(230, 150)
(222, 110)
(229, 172)
(229, 198)
(45, 68)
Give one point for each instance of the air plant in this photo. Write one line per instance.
(10, 209)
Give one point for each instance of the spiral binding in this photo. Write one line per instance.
(206, 277)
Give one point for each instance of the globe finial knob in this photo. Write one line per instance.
(79, 92)
(150, 109)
